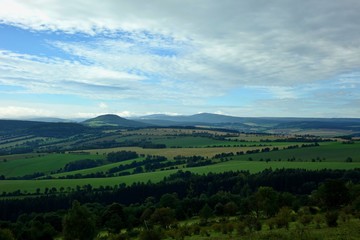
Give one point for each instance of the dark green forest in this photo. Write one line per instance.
(272, 197)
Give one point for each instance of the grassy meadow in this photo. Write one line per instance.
(30, 186)
(328, 151)
(43, 163)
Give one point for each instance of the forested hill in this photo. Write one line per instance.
(41, 129)
(111, 120)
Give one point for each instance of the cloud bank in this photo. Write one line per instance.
(185, 52)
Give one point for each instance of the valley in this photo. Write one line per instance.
(109, 159)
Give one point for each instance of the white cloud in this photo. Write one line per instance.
(236, 42)
(125, 114)
(187, 51)
(103, 105)
(93, 114)
(43, 75)
(16, 112)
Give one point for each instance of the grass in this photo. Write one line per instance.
(190, 141)
(13, 157)
(257, 137)
(234, 165)
(256, 166)
(102, 168)
(45, 164)
(30, 186)
(174, 132)
(18, 141)
(172, 152)
(345, 230)
(331, 151)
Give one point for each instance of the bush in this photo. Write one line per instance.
(240, 228)
(252, 223)
(302, 233)
(150, 235)
(318, 219)
(195, 229)
(274, 236)
(305, 219)
(283, 217)
(331, 218)
(120, 236)
(6, 234)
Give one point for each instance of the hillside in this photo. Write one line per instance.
(112, 120)
(41, 129)
(196, 118)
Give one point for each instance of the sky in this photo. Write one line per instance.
(250, 58)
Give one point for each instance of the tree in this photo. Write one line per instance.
(283, 217)
(230, 209)
(206, 212)
(163, 216)
(333, 193)
(113, 218)
(266, 200)
(219, 209)
(169, 200)
(78, 223)
(41, 231)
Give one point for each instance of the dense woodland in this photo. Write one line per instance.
(240, 201)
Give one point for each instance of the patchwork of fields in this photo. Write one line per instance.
(224, 152)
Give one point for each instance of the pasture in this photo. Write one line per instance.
(330, 151)
(102, 168)
(30, 186)
(43, 163)
(186, 151)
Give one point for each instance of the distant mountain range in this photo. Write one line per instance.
(63, 127)
(211, 118)
(49, 119)
(256, 124)
(197, 118)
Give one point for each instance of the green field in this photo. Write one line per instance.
(31, 185)
(102, 168)
(18, 141)
(45, 164)
(12, 157)
(330, 151)
(234, 165)
(188, 141)
(172, 152)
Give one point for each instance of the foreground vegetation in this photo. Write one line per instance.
(308, 205)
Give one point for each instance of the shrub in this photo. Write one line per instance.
(150, 235)
(240, 228)
(331, 218)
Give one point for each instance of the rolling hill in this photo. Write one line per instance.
(338, 126)
(112, 120)
(41, 129)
